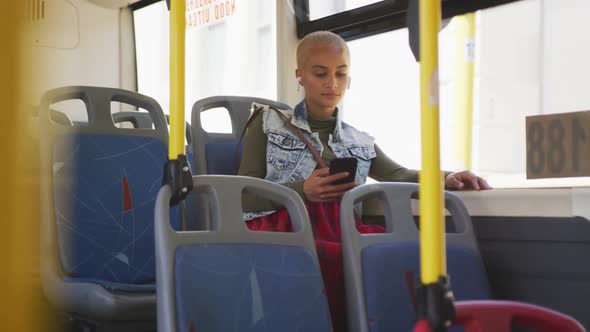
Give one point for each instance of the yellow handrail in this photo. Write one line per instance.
(463, 101)
(21, 305)
(177, 42)
(432, 246)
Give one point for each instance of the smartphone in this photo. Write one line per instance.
(340, 165)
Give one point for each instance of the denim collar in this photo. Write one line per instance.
(300, 120)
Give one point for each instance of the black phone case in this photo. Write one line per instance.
(344, 165)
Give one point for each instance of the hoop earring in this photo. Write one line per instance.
(298, 85)
(349, 80)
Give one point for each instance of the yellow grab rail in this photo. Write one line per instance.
(177, 47)
(463, 101)
(22, 307)
(432, 247)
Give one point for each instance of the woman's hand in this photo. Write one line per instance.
(466, 180)
(318, 187)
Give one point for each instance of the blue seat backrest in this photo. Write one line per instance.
(220, 158)
(214, 152)
(261, 287)
(105, 183)
(388, 301)
(377, 265)
(232, 279)
(106, 226)
(186, 212)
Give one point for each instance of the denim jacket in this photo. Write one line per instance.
(288, 158)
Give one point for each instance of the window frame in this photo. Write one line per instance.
(379, 17)
(142, 3)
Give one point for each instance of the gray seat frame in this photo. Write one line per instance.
(239, 108)
(144, 120)
(88, 299)
(228, 227)
(400, 227)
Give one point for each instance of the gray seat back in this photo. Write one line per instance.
(276, 274)
(98, 182)
(144, 120)
(214, 151)
(376, 265)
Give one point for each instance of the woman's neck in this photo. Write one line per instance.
(320, 113)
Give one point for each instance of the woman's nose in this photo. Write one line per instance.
(332, 82)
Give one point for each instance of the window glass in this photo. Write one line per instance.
(230, 50)
(385, 85)
(529, 58)
(319, 9)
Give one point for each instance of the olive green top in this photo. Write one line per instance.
(253, 161)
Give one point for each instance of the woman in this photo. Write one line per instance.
(273, 150)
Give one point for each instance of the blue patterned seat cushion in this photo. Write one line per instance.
(241, 287)
(387, 296)
(105, 219)
(220, 157)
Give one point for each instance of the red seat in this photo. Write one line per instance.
(500, 316)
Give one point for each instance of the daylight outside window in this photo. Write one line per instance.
(230, 50)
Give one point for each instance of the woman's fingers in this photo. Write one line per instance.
(322, 172)
(454, 183)
(335, 177)
(483, 184)
(319, 187)
(336, 191)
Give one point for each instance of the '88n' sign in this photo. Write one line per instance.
(558, 145)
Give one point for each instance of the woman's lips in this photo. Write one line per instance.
(330, 95)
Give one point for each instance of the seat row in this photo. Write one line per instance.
(99, 256)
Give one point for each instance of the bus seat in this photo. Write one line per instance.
(136, 118)
(378, 266)
(99, 189)
(144, 120)
(214, 152)
(186, 212)
(502, 316)
(230, 278)
(61, 118)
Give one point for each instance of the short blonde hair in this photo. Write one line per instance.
(319, 39)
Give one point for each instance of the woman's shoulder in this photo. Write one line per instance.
(272, 118)
(354, 133)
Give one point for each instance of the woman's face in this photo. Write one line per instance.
(324, 78)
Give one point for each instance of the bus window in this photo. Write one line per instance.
(529, 58)
(385, 85)
(319, 9)
(230, 50)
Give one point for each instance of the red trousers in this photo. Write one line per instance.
(325, 223)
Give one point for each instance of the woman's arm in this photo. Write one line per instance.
(384, 169)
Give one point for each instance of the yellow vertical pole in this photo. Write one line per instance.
(432, 248)
(177, 41)
(463, 101)
(21, 300)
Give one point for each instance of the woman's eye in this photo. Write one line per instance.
(320, 74)
(341, 74)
